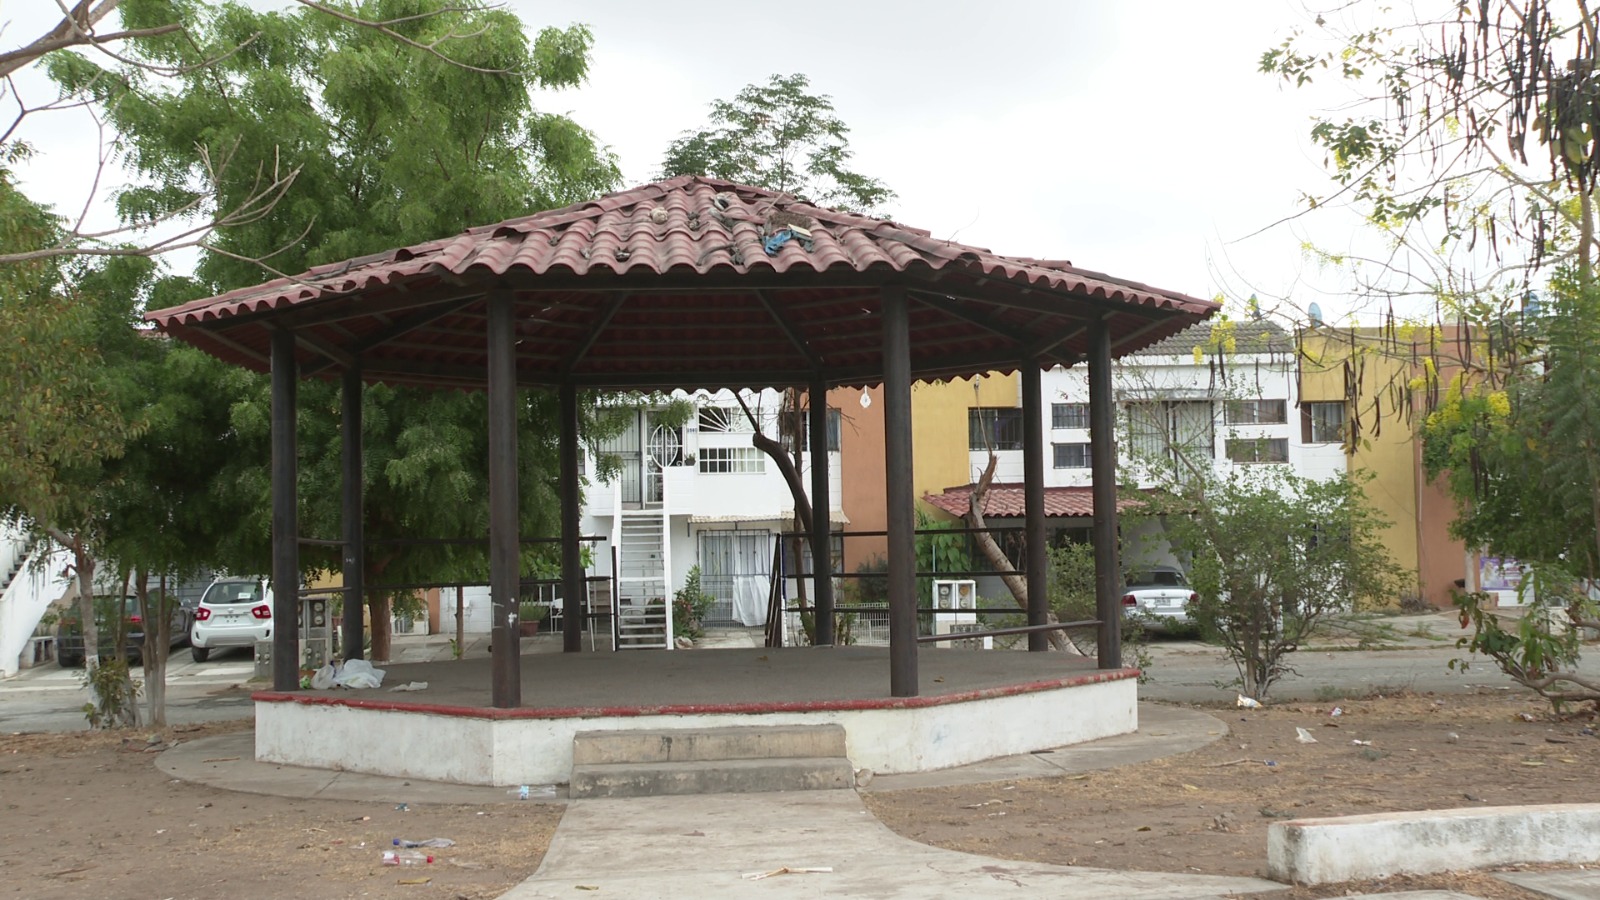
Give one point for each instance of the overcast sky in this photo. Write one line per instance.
(1131, 138)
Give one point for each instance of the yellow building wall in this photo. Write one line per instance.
(939, 453)
(1386, 446)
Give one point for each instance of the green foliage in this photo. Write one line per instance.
(1273, 554)
(781, 137)
(690, 605)
(116, 695)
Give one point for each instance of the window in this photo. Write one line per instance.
(833, 432)
(732, 461)
(1256, 412)
(1069, 415)
(1322, 422)
(724, 420)
(1164, 430)
(1071, 456)
(1259, 450)
(994, 428)
(835, 549)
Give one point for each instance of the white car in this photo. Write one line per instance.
(233, 612)
(1158, 596)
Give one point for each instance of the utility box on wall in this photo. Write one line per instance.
(316, 633)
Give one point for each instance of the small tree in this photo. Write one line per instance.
(1273, 554)
(781, 137)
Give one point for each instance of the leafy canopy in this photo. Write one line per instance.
(781, 137)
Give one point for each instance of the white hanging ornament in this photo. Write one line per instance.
(866, 399)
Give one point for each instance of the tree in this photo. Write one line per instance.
(1478, 154)
(781, 137)
(390, 146)
(1273, 554)
(448, 33)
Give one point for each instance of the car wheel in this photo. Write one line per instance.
(200, 654)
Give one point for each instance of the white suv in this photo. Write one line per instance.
(233, 612)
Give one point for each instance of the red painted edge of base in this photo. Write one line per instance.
(591, 712)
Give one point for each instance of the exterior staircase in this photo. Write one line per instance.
(709, 761)
(642, 606)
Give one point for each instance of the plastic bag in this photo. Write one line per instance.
(358, 673)
(322, 679)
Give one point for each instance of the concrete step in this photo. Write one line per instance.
(662, 745)
(733, 776)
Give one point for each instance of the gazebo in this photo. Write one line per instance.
(690, 283)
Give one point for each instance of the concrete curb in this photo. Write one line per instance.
(1321, 851)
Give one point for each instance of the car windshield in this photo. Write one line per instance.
(232, 592)
(1157, 578)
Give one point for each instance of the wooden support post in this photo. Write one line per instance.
(1103, 466)
(821, 513)
(285, 518)
(1038, 559)
(901, 499)
(504, 537)
(573, 585)
(352, 513)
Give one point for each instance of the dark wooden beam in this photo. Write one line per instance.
(396, 330)
(821, 511)
(504, 562)
(1033, 449)
(1103, 468)
(582, 350)
(352, 512)
(901, 499)
(951, 308)
(781, 319)
(574, 586)
(285, 519)
(338, 355)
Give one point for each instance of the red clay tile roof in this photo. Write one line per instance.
(1006, 501)
(670, 284)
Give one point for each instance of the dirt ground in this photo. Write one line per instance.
(1208, 810)
(85, 814)
(89, 815)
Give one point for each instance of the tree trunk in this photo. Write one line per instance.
(157, 638)
(461, 626)
(378, 609)
(790, 469)
(1015, 582)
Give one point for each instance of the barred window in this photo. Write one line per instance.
(994, 428)
(732, 461)
(1256, 412)
(1259, 450)
(1069, 415)
(1071, 456)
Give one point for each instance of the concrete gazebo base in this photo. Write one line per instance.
(982, 705)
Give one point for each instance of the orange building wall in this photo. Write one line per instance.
(861, 480)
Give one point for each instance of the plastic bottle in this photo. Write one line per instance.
(405, 858)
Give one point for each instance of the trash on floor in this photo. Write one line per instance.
(1304, 736)
(410, 686)
(789, 870)
(1248, 702)
(438, 843)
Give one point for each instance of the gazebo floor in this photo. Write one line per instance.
(974, 705)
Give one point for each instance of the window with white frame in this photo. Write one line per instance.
(1256, 412)
(724, 420)
(1322, 421)
(994, 428)
(1258, 450)
(805, 426)
(1069, 415)
(1169, 429)
(732, 461)
(1071, 456)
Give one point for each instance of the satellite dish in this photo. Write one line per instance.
(1314, 313)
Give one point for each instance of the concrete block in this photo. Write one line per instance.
(1321, 851)
(702, 744)
(1557, 885)
(734, 776)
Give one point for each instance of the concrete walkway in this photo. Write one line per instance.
(708, 847)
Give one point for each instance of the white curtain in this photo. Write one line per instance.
(752, 565)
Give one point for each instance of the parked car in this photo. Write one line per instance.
(1159, 596)
(233, 612)
(69, 628)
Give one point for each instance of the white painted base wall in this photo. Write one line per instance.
(469, 749)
